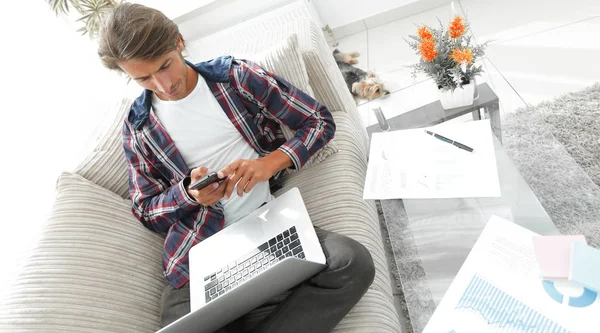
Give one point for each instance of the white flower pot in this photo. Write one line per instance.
(460, 97)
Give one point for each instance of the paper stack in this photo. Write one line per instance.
(568, 258)
(553, 255)
(585, 266)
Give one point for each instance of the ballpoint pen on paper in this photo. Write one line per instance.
(450, 141)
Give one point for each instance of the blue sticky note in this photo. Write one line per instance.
(585, 266)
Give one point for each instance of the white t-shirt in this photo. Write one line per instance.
(205, 136)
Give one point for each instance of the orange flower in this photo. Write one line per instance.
(457, 28)
(424, 33)
(427, 49)
(459, 55)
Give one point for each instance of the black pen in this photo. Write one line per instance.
(450, 141)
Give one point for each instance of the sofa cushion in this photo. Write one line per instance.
(95, 269)
(106, 164)
(285, 60)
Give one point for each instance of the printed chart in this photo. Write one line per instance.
(498, 289)
(493, 310)
(586, 298)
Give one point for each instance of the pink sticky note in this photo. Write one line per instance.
(553, 254)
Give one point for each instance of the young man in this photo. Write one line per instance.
(223, 115)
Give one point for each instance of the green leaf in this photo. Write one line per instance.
(84, 18)
(92, 12)
(59, 6)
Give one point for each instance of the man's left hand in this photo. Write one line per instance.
(244, 174)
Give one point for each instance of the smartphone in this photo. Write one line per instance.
(205, 181)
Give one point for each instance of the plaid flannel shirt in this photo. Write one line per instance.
(256, 102)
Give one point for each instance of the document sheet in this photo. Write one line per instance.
(412, 164)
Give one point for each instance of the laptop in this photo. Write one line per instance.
(244, 265)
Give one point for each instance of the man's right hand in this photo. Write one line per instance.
(209, 195)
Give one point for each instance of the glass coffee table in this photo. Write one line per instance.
(431, 238)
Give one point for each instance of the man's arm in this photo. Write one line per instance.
(290, 106)
(155, 203)
(277, 160)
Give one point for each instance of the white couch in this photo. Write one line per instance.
(97, 269)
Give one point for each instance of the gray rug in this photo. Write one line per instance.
(574, 120)
(397, 285)
(556, 146)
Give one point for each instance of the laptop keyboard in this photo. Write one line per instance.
(286, 244)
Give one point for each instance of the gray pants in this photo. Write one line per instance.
(316, 305)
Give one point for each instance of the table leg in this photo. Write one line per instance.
(476, 115)
(494, 111)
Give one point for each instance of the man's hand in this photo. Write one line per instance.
(246, 174)
(209, 195)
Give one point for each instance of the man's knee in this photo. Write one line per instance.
(362, 265)
(175, 303)
(351, 265)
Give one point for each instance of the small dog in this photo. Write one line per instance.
(360, 83)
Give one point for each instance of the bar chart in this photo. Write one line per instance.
(493, 310)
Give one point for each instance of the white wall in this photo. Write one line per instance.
(337, 13)
(174, 8)
(221, 14)
(54, 95)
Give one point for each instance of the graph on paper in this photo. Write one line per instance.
(496, 311)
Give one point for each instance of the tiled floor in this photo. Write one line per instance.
(538, 51)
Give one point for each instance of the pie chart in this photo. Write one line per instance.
(585, 299)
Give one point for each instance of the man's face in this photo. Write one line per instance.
(166, 76)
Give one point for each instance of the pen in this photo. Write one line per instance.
(450, 141)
